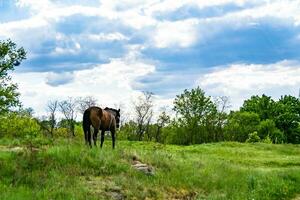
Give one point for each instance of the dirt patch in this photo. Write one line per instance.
(19, 149)
(103, 187)
(180, 194)
(11, 149)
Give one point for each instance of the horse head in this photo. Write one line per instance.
(116, 114)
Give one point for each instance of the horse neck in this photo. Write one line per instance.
(114, 113)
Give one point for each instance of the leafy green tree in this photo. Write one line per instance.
(197, 115)
(10, 56)
(264, 106)
(288, 117)
(162, 121)
(267, 129)
(240, 125)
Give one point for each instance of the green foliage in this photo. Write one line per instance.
(267, 140)
(175, 133)
(20, 125)
(240, 125)
(253, 137)
(128, 131)
(279, 120)
(264, 106)
(197, 116)
(162, 121)
(288, 118)
(10, 56)
(267, 128)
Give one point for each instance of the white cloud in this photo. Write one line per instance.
(14, 27)
(55, 79)
(110, 84)
(35, 5)
(139, 15)
(115, 81)
(172, 5)
(285, 10)
(181, 33)
(239, 82)
(108, 37)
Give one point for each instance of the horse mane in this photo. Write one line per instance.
(112, 109)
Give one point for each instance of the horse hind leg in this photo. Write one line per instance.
(95, 136)
(89, 137)
(102, 138)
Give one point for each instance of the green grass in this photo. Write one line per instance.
(66, 169)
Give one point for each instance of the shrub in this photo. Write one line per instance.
(267, 128)
(267, 140)
(240, 124)
(253, 137)
(18, 125)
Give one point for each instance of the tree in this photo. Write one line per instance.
(52, 107)
(143, 108)
(68, 109)
(264, 106)
(197, 115)
(162, 121)
(287, 117)
(222, 103)
(86, 102)
(10, 56)
(240, 125)
(267, 129)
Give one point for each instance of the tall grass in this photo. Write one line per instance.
(66, 169)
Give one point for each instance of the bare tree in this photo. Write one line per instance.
(223, 104)
(52, 107)
(68, 109)
(85, 102)
(143, 108)
(124, 115)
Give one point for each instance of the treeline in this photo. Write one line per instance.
(195, 118)
(202, 119)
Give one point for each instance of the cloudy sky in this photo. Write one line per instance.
(113, 50)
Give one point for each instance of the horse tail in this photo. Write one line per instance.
(86, 122)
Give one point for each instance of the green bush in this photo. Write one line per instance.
(253, 137)
(61, 132)
(267, 128)
(18, 126)
(240, 124)
(267, 140)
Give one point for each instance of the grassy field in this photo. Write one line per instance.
(66, 169)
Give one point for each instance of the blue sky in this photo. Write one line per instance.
(114, 50)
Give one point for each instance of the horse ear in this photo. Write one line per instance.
(119, 110)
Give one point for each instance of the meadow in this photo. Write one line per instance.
(67, 169)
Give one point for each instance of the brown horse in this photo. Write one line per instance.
(107, 119)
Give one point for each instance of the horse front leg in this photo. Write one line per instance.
(102, 137)
(113, 137)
